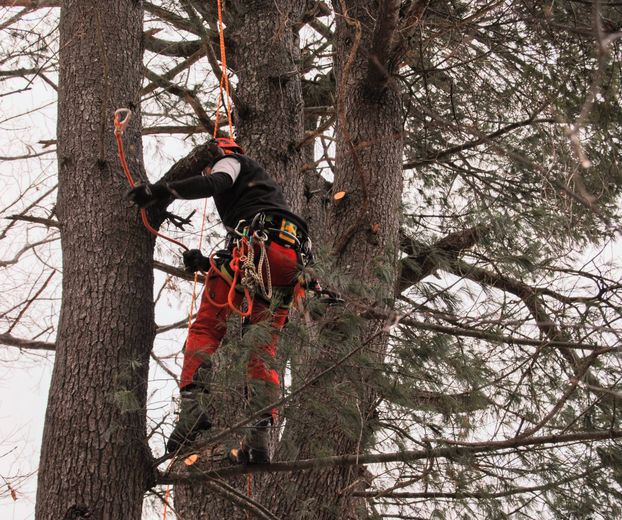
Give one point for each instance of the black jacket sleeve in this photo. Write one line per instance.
(200, 186)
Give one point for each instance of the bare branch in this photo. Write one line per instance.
(30, 4)
(187, 130)
(48, 222)
(181, 49)
(27, 247)
(169, 75)
(183, 93)
(452, 452)
(12, 341)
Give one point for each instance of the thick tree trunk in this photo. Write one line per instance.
(365, 226)
(266, 55)
(95, 461)
(268, 58)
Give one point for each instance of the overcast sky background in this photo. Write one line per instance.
(25, 119)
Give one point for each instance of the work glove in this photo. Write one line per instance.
(145, 195)
(195, 261)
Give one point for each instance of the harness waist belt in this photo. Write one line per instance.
(283, 230)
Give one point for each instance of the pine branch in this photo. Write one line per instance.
(179, 49)
(459, 495)
(372, 313)
(547, 326)
(428, 259)
(170, 74)
(179, 22)
(173, 129)
(475, 143)
(241, 500)
(452, 451)
(184, 94)
(176, 271)
(211, 55)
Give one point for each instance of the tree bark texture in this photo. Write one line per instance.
(364, 231)
(95, 461)
(266, 53)
(267, 56)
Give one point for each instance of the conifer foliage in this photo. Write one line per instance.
(458, 163)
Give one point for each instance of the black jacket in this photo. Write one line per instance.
(254, 191)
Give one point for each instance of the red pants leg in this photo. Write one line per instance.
(260, 371)
(208, 328)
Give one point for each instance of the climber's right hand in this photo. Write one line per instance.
(145, 195)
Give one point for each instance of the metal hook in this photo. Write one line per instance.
(121, 124)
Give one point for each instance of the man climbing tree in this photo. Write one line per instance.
(266, 247)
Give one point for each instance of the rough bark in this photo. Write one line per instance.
(95, 462)
(365, 228)
(269, 126)
(268, 59)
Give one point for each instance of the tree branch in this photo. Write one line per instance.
(452, 452)
(12, 341)
(423, 262)
(30, 4)
(169, 75)
(476, 142)
(183, 93)
(472, 494)
(378, 73)
(180, 49)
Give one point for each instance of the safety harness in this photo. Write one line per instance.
(236, 263)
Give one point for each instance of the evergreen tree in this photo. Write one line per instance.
(458, 163)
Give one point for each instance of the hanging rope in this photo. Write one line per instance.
(224, 78)
(119, 128)
(224, 82)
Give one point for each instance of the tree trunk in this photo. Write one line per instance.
(270, 127)
(268, 59)
(95, 461)
(334, 417)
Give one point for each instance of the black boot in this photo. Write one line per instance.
(255, 447)
(193, 415)
(192, 419)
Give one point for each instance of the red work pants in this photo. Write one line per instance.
(210, 323)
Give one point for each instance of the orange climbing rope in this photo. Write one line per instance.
(224, 78)
(224, 82)
(239, 254)
(119, 128)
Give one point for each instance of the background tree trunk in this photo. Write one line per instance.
(94, 459)
(334, 417)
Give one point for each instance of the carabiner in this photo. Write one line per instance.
(121, 124)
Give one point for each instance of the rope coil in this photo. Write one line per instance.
(245, 274)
